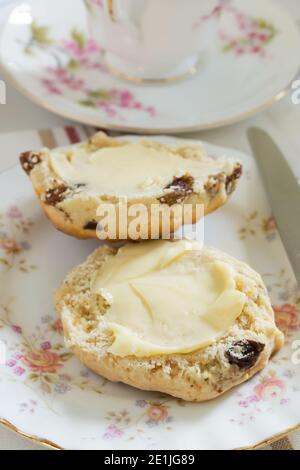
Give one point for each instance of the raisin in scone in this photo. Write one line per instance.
(173, 317)
(73, 183)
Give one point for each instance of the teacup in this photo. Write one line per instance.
(154, 39)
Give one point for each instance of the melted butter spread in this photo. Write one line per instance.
(133, 168)
(163, 302)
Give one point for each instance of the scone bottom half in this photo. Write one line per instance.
(230, 358)
(72, 207)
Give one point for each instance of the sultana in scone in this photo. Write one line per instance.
(73, 183)
(172, 317)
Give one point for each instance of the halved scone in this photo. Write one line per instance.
(169, 316)
(73, 183)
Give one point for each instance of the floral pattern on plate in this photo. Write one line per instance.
(251, 35)
(43, 380)
(152, 414)
(71, 56)
(248, 34)
(273, 388)
(41, 358)
(256, 224)
(269, 392)
(14, 234)
(53, 60)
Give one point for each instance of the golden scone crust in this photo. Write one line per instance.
(72, 210)
(202, 375)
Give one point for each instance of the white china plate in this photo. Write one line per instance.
(49, 56)
(47, 395)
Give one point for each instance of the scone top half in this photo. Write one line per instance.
(72, 183)
(173, 317)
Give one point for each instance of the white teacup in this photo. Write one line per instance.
(154, 39)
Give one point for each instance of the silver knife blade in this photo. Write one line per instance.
(283, 192)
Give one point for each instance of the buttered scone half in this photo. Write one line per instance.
(81, 185)
(169, 316)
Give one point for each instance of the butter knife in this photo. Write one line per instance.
(283, 192)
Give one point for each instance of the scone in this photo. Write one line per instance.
(169, 316)
(73, 183)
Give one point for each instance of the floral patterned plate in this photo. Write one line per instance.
(49, 396)
(50, 57)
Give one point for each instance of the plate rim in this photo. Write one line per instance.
(53, 446)
(90, 121)
(87, 120)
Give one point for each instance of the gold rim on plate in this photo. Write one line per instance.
(190, 72)
(30, 437)
(51, 445)
(172, 130)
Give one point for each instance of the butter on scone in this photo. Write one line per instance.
(169, 316)
(72, 183)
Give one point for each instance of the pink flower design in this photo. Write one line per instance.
(9, 245)
(51, 87)
(126, 99)
(112, 432)
(157, 413)
(11, 363)
(18, 356)
(256, 50)
(19, 371)
(270, 388)
(57, 326)
(107, 107)
(252, 35)
(42, 361)
(71, 56)
(64, 77)
(284, 401)
(81, 53)
(215, 13)
(287, 317)
(46, 346)
(248, 401)
(14, 213)
(17, 329)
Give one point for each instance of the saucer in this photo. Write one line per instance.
(50, 57)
